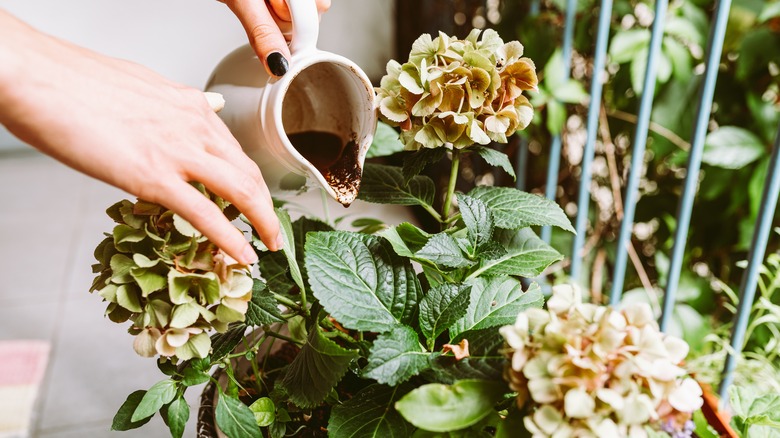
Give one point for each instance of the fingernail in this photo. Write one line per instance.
(249, 255)
(279, 242)
(277, 63)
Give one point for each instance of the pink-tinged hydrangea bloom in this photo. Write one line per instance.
(597, 371)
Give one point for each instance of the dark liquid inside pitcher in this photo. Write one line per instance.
(335, 160)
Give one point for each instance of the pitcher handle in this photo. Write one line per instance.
(305, 25)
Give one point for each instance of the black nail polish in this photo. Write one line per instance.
(277, 64)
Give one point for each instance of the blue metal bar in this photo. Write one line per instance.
(534, 10)
(638, 151)
(554, 165)
(596, 86)
(747, 290)
(521, 165)
(714, 52)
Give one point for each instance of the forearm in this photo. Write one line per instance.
(13, 37)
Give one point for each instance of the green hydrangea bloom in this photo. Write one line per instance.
(174, 285)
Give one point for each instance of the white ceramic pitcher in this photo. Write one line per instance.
(321, 91)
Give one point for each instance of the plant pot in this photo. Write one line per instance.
(207, 425)
(719, 420)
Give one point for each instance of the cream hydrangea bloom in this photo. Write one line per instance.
(597, 371)
(456, 93)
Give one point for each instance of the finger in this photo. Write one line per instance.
(281, 10)
(229, 150)
(207, 218)
(250, 196)
(226, 146)
(264, 35)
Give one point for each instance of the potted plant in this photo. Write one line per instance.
(389, 331)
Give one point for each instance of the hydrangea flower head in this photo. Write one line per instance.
(598, 371)
(157, 271)
(458, 92)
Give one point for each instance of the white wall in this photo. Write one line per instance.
(185, 39)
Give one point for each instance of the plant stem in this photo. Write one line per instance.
(284, 338)
(287, 302)
(445, 210)
(435, 214)
(325, 209)
(653, 126)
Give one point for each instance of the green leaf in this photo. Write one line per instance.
(680, 58)
(406, 239)
(526, 255)
(683, 29)
(123, 418)
(235, 419)
(570, 92)
(385, 185)
(263, 308)
(495, 302)
(301, 228)
(386, 142)
(316, 369)
(754, 410)
(223, 343)
(495, 158)
(443, 250)
(512, 208)
(703, 428)
(626, 44)
(178, 414)
(639, 70)
(441, 307)
(285, 228)
(275, 271)
(277, 430)
(192, 377)
(161, 393)
(370, 414)
(771, 10)
(361, 281)
(478, 219)
(414, 163)
(731, 147)
(756, 187)
(556, 116)
(554, 76)
(396, 356)
(443, 408)
(264, 411)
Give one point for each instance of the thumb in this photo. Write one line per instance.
(264, 34)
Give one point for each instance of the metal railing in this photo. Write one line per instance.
(770, 192)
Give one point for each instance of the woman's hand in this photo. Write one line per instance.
(262, 21)
(124, 124)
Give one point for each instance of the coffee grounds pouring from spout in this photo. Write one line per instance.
(337, 162)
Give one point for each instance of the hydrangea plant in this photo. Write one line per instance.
(588, 370)
(392, 330)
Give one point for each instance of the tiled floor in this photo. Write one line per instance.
(51, 218)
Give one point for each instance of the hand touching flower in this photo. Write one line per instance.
(124, 124)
